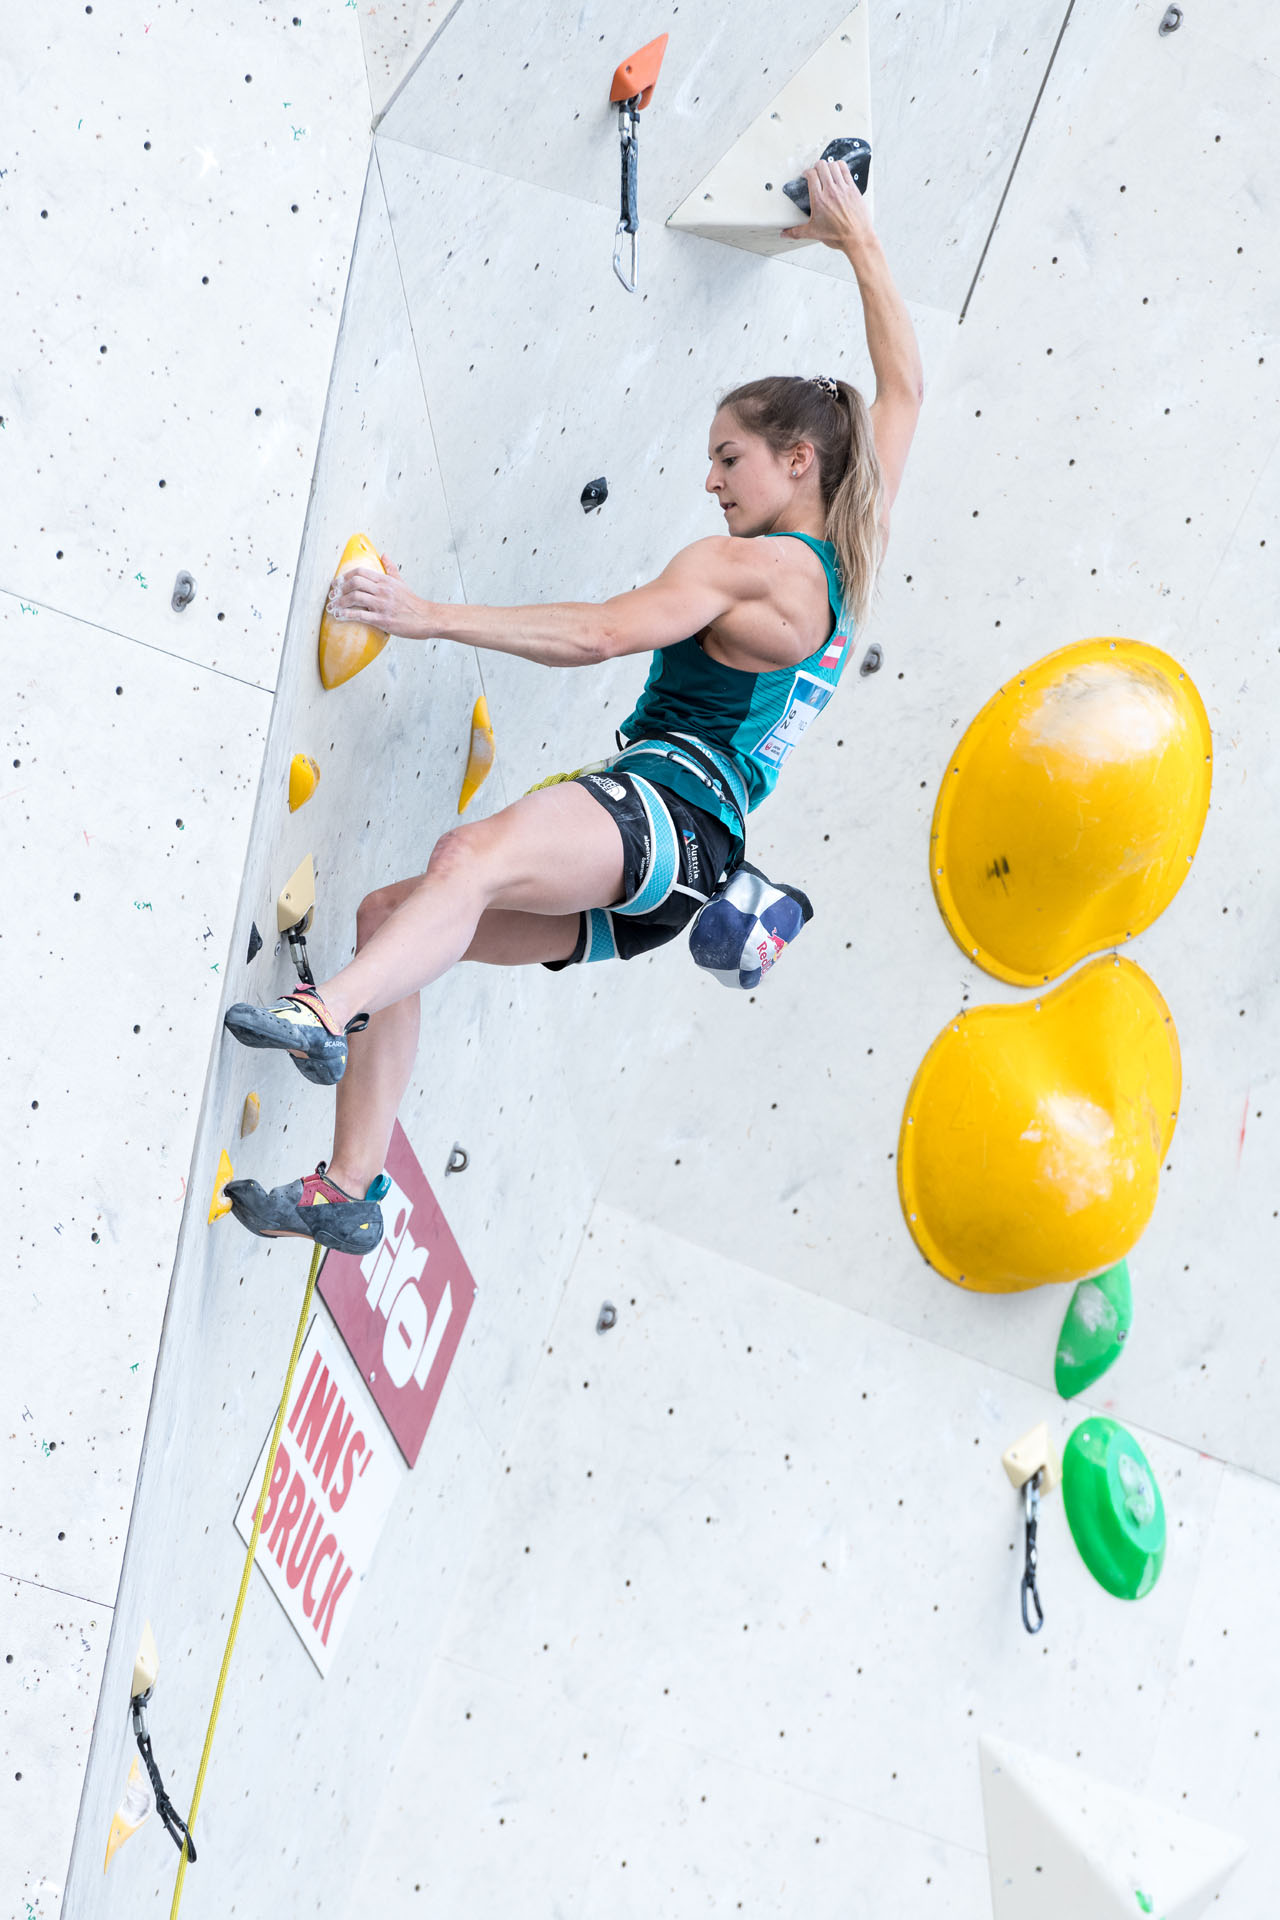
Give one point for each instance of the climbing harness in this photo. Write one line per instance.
(187, 1847)
(632, 89)
(1030, 1591)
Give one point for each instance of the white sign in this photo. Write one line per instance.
(333, 1479)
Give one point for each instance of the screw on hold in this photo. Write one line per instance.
(459, 1160)
(1030, 1592)
(594, 494)
(255, 942)
(871, 661)
(184, 591)
(608, 1317)
(856, 155)
(1172, 20)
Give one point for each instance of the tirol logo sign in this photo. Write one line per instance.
(402, 1308)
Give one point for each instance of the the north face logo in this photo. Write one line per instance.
(611, 787)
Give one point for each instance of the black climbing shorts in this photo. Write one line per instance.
(673, 854)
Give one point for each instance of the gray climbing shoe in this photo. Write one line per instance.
(303, 1026)
(313, 1207)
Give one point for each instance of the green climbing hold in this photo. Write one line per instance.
(1144, 1901)
(1113, 1508)
(1094, 1331)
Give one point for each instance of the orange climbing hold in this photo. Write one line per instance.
(480, 758)
(346, 645)
(304, 778)
(639, 74)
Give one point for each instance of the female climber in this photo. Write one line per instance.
(616, 859)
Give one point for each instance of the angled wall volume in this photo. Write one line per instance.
(1062, 1845)
(741, 200)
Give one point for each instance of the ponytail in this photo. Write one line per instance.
(783, 409)
(854, 508)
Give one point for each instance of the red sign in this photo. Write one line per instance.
(402, 1308)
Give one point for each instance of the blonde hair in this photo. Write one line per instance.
(783, 409)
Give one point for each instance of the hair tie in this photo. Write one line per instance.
(827, 384)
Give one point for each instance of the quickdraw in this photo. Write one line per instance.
(632, 90)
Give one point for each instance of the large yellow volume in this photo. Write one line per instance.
(1069, 813)
(345, 645)
(1033, 1136)
(480, 757)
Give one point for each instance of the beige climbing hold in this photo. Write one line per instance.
(297, 900)
(147, 1663)
(220, 1203)
(251, 1115)
(304, 778)
(480, 758)
(1033, 1453)
(136, 1807)
(347, 645)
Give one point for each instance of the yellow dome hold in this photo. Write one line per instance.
(345, 645)
(1033, 1136)
(1070, 811)
(480, 758)
(304, 778)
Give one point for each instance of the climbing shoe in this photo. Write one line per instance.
(312, 1206)
(302, 1024)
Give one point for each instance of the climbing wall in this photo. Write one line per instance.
(709, 1609)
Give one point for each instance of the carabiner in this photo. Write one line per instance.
(1030, 1592)
(629, 217)
(629, 284)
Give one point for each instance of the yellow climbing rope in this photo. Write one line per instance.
(245, 1576)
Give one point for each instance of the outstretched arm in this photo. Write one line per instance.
(840, 220)
(702, 582)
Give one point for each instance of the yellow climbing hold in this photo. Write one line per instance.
(345, 645)
(480, 758)
(304, 778)
(1033, 1136)
(220, 1203)
(1069, 813)
(251, 1115)
(136, 1807)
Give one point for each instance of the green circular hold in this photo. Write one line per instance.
(1114, 1508)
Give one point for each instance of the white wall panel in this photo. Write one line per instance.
(54, 1644)
(743, 1529)
(125, 836)
(170, 316)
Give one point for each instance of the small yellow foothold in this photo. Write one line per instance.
(219, 1203)
(304, 778)
(251, 1115)
(480, 758)
(348, 645)
(138, 1804)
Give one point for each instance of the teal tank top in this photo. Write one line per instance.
(748, 723)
